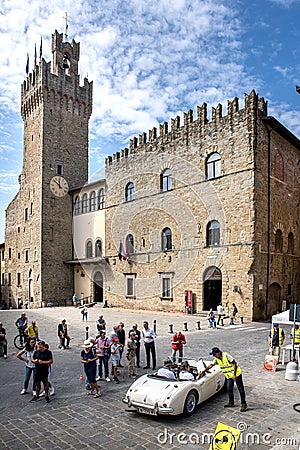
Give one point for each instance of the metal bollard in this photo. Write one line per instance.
(242, 319)
(198, 325)
(154, 326)
(171, 328)
(185, 326)
(86, 332)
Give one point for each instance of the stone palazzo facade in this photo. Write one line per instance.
(203, 211)
(207, 212)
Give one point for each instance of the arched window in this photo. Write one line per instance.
(89, 249)
(278, 241)
(129, 192)
(166, 180)
(101, 199)
(129, 244)
(93, 201)
(77, 206)
(98, 248)
(291, 243)
(213, 166)
(84, 206)
(166, 239)
(213, 233)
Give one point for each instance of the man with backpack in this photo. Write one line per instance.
(104, 352)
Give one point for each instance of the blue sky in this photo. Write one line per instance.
(150, 60)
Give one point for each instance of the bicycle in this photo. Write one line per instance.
(20, 340)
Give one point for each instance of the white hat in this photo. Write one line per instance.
(87, 344)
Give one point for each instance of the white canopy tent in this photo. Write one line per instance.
(284, 318)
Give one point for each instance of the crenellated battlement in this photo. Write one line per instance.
(47, 82)
(254, 106)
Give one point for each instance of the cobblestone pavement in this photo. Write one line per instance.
(72, 420)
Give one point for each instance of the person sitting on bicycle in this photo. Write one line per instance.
(32, 331)
(22, 323)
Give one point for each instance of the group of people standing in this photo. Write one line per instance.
(105, 348)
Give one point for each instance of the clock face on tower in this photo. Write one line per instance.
(59, 186)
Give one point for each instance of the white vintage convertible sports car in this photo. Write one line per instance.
(153, 394)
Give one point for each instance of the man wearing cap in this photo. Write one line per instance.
(232, 372)
(276, 339)
(166, 371)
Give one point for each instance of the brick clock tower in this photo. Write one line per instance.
(38, 237)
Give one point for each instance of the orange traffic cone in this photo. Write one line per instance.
(81, 377)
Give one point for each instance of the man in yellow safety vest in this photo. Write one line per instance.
(295, 335)
(232, 372)
(276, 339)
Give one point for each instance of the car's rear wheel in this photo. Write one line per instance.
(190, 403)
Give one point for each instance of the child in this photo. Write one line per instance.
(115, 357)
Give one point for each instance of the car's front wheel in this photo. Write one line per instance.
(190, 403)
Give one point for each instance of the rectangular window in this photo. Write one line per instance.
(129, 287)
(51, 234)
(3, 279)
(9, 279)
(9, 253)
(25, 214)
(26, 255)
(18, 279)
(289, 289)
(59, 169)
(31, 208)
(166, 288)
(2, 255)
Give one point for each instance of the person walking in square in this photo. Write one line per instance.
(3, 340)
(88, 358)
(42, 358)
(115, 357)
(178, 341)
(276, 340)
(26, 355)
(103, 352)
(62, 331)
(84, 313)
(130, 354)
(137, 343)
(220, 313)
(148, 338)
(232, 372)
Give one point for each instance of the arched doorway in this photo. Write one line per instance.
(212, 288)
(98, 287)
(274, 305)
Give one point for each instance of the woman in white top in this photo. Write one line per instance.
(26, 355)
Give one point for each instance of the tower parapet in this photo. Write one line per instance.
(58, 82)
